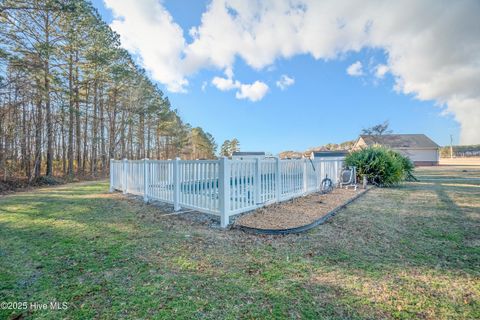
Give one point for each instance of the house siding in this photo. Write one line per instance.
(359, 144)
(420, 157)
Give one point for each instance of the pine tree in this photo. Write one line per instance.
(71, 98)
(234, 145)
(225, 150)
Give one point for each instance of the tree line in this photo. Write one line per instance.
(460, 151)
(375, 130)
(71, 98)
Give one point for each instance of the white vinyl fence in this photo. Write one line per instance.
(221, 187)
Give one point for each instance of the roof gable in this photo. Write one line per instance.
(415, 141)
(238, 153)
(330, 153)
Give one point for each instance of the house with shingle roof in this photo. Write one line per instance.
(422, 150)
(238, 155)
(329, 154)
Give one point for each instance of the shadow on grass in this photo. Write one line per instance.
(395, 240)
(99, 250)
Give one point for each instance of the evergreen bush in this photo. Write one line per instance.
(382, 166)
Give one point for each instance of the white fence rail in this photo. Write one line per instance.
(221, 187)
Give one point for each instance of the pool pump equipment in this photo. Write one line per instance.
(348, 178)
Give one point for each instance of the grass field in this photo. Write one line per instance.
(407, 252)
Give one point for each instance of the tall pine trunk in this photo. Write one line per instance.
(102, 131)
(25, 153)
(113, 123)
(85, 131)
(71, 113)
(63, 145)
(78, 118)
(93, 163)
(48, 116)
(38, 138)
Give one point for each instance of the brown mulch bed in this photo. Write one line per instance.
(297, 212)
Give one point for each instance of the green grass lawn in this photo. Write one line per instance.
(406, 252)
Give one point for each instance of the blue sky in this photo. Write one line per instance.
(324, 104)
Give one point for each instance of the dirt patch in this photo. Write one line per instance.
(13, 185)
(297, 212)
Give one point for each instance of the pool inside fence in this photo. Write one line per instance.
(247, 184)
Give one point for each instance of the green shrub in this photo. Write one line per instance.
(381, 166)
(407, 166)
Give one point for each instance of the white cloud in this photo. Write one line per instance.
(355, 69)
(147, 29)
(254, 92)
(229, 72)
(284, 82)
(204, 85)
(225, 84)
(431, 47)
(381, 70)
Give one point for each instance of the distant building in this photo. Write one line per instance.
(418, 147)
(329, 155)
(237, 155)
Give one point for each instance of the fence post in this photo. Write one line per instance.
(124, 175)
(257, 182)
(224, 191)
(111, 175)
(146, 179)
(176, 184)
(319, 174)
(278, 180)
(337, 176)
(305, 176)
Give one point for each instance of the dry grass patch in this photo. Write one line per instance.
(398, 253)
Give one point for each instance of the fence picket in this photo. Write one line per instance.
(222, 187)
